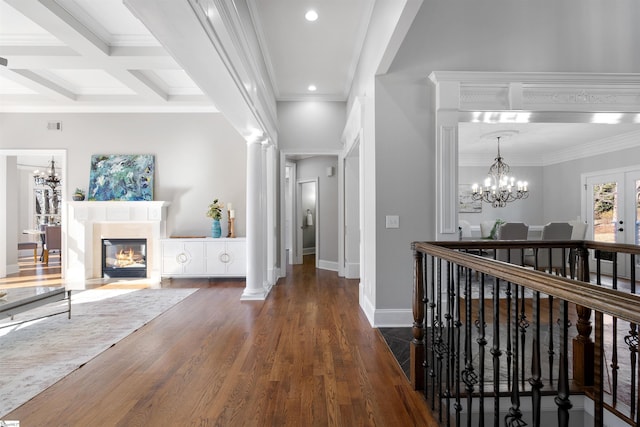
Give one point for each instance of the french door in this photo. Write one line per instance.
(613, 212)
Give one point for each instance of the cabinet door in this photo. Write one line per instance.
(216, 258)
(195, 255)
(173, 258)
(237, 265)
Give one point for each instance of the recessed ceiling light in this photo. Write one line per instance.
(312, 88)
(311, 15)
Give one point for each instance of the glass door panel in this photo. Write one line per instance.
(613, 214)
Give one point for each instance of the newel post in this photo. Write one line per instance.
(582, 344)
(417, 343)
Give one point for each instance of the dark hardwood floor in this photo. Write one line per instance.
(306, 356)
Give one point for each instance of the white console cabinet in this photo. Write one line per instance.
(204, 257)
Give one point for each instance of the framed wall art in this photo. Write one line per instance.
(125, 177)
(466, 204)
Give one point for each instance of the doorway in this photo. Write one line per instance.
(612, 207)
(13, 199)
(307, 220)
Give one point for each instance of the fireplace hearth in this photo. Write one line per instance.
(124, 258)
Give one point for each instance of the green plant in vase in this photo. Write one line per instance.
(78, 195)
(215, 213)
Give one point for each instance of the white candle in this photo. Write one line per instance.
(232, 214)
(229, 207)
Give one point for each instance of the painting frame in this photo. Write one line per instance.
(466, 203)
(121, 177)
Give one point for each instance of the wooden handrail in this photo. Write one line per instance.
(621, 305)
(588, 355)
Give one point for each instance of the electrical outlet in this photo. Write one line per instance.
(392, 221)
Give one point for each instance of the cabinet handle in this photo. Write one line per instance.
(181, 258)
(224, 257)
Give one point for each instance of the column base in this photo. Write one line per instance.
(254, 295)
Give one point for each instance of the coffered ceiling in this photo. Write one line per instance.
(87, 55)
(96, 56)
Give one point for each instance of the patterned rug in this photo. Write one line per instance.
(37, 354)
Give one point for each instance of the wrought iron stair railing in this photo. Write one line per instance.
(485, 331)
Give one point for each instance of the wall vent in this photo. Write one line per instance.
(54, 125)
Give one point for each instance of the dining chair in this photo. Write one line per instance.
(511, 231)
(540, 258)
(52, 241)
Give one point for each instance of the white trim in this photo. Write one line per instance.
(494, 97)
(366, 305)
(328, 265)
(393, 318)
(352, 270)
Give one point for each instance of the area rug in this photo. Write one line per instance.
(37, 354)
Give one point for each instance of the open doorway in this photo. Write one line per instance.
(307, 219)
(19, 200)
(310, 220)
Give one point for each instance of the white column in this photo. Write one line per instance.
(265, 219)
(254, 289)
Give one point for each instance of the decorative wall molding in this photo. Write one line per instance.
(521, 98)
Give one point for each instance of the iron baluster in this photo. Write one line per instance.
(448, 316)
(550, 350)
(514, 416)
(523, 325)
(432, 348)
(458, 326)
(536, 369)
(563, 400)
(439, 344)
(509, 349)
(614, 356)
(495, 350)
(469, 376)
(482, 342)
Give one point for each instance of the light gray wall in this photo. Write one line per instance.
(311, 125)
(493, 35)
(198, 157)
(315, 167)
(562, 181)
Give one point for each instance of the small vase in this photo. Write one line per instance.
(216, 232)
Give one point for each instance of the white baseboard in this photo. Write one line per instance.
(14, 268)
(367, 306)
(309, 251)
(352, 271)
(393, 318)
(328, 265)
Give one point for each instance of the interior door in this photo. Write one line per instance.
(613, 213)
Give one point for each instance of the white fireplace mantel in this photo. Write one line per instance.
(89, 221)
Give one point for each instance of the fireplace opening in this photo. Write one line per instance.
(124, 258)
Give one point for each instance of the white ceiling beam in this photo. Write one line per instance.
(84, 63)
(62, 25)
(37, 83)
(148, 85)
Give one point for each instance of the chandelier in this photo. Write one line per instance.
(49, 177)
(499, 188)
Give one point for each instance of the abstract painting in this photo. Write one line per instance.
(121, 177)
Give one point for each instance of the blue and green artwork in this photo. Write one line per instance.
(121, 177)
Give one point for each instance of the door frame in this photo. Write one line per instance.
(622, 177)
(298, 214)
(10, 243)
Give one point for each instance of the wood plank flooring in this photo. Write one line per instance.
(306, 356)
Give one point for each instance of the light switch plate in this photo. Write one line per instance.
(392, 221)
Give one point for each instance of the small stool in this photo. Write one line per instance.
(30, 245)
